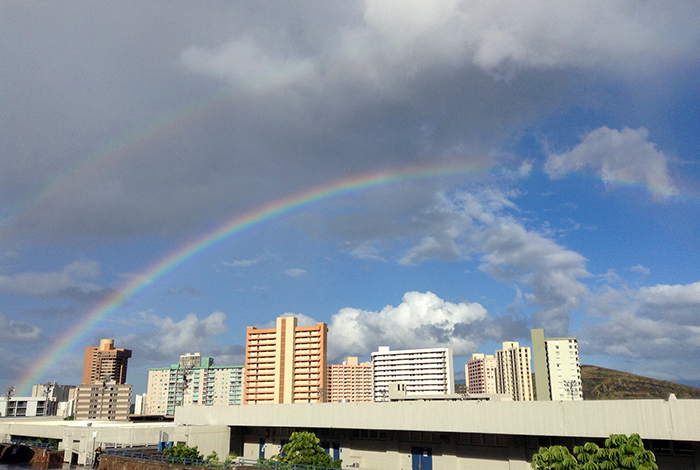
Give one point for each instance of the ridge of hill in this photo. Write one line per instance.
(600, 383)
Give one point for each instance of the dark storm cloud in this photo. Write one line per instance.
(94, 96)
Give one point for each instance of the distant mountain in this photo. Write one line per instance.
(608, 384)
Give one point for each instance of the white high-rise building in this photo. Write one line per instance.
(188, 384)
(140, 404)
(480, 373)
(513, 376)
(557, 367)
(422, 371)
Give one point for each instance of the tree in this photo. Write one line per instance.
(554, 458)
(180, 452)
(303, 449)
(620, 452)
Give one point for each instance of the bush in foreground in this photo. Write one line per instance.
(619, 452)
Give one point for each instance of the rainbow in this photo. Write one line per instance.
(226, 230)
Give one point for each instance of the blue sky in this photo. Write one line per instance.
(129, 130)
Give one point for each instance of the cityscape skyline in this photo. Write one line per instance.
(412, 175)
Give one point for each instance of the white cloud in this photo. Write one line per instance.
(397, 39)
(643, 270)
(249, 63)
(242, 263)
(367, 251)
(69, 281)
(295, 272)
(302, 320)
(173, 338)
(618, 157)
(647, 327)
(13, 331)
(679, 304)
(421, 320)
(478, 224)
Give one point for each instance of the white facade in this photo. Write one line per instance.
(422, 371)
(206, 385)
(557, 367)
(140, 404)
(27, 406)
(564, 369)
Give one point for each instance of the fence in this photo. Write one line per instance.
(151, 454)
(29, 443)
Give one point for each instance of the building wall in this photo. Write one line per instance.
(564, 368)
(109, 401)
(105, 363)
(286, 364)
(426, 371)
(349, 381)
(539, 357)
(480, 373)
(458, 434)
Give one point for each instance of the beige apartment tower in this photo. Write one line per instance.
(513, 375)
(285, 364)
(104, 363)
(350, 381)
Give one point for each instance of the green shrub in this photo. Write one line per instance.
(181, 451)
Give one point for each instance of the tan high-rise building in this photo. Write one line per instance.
(349, 381)
(108, 400)
(513, 375)
(285, 364)
(104, 363)
(480, 373)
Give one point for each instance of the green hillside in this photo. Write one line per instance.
(607, 384)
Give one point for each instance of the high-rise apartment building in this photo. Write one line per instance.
(286, 364)
(426, 371)
(104, 363)
(350, 381)
(513, 376)
(194, 380)
(557, 367)
(480, 373)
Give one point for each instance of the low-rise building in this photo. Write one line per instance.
(27, 406)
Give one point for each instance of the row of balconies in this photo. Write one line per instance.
(409, 365)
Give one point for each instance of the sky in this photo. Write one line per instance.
(414, 174)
